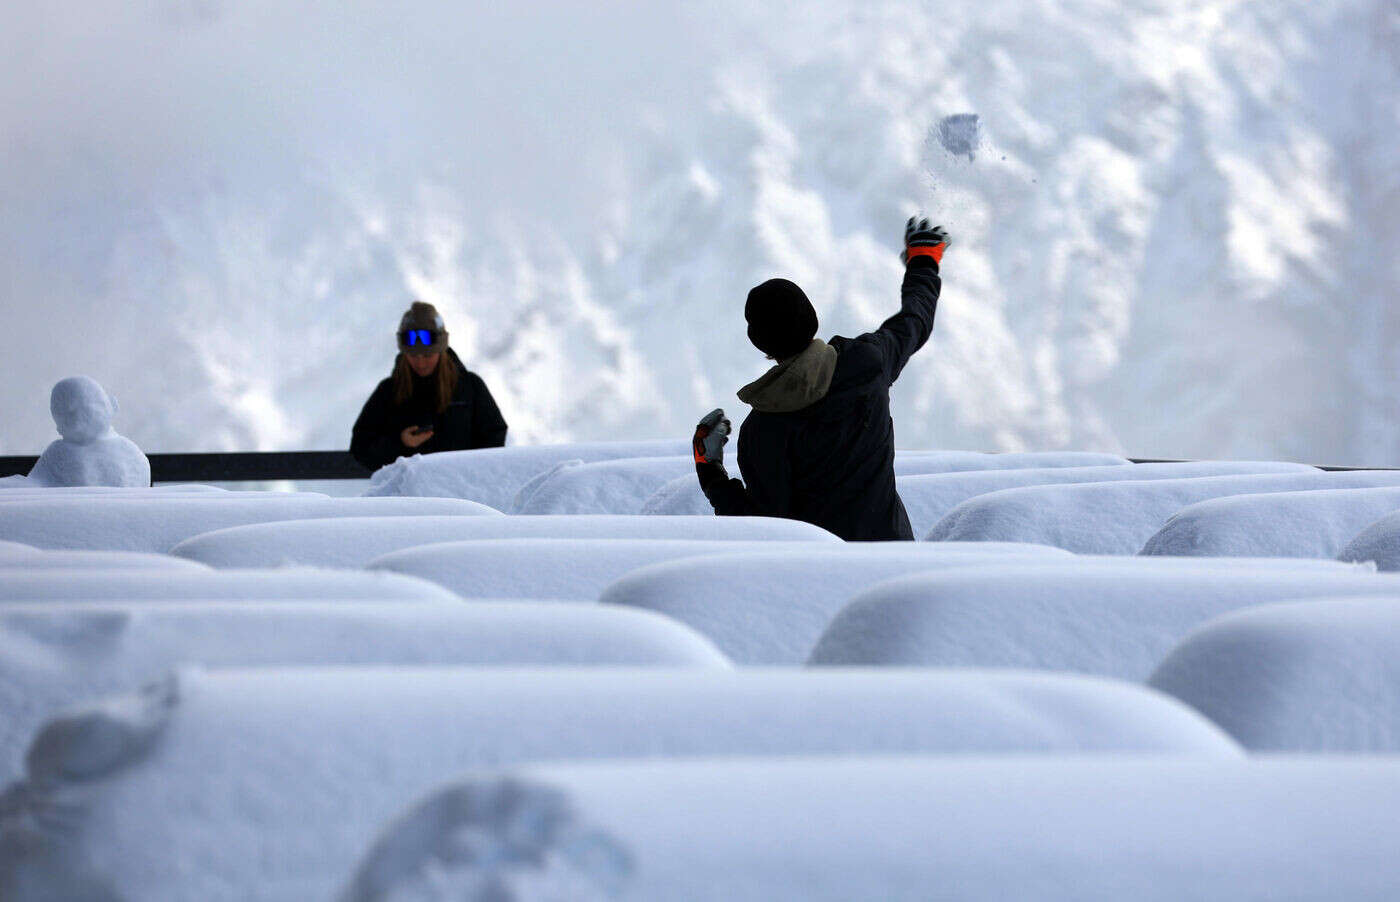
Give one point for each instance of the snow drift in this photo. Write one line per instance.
(355, 541)
(1379, 543)
(575, 569)
(1117, 517)
(494, 476)
(20, 492)
(606, 487)
(55, 586)
(156, 525)
(276, 822)
(1317, 676)
(682, 495)
(1286, 524)
(95, 560)
(52, 657)
(901, 828)
(930, 497)
(770, 607)
(1103, 618)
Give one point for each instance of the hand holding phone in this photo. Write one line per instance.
(414, 436)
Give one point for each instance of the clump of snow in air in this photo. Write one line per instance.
(1117, 517)
(90, 451)
(56, 656)
(1111, 618)
(1285, 524)
(770, 607)
(1315, 676)
(961, 135)
(154, 825)
(576, 569)
(1379, 542)
(905, 828)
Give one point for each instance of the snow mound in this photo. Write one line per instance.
(527, 491)
(1316, 676)
(1111, 619)
(679, 497)
(908, 828)
(29, 492)
(763, 607)
(14, 549)
(53, 657)
(607, 487)
(683, 496)
(1117, 517)
(279, 824)
(90, 451)
(928, 498)
(95, 560)
(571, 569)
(1284, 524)
(918, 463)
(1379, 543)
(493, 476)
(355, 541)
(53, 586)
(156, 525)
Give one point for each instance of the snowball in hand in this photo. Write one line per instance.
(90, 452)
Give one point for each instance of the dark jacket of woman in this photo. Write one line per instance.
(471, 418)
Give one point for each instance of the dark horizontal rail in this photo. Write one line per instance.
(267, 466)
(247, 466)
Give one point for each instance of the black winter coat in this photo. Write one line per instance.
(832, 463)
(471, 420)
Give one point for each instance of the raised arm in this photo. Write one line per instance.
(904, 333)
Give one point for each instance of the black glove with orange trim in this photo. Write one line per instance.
(710, 436)
(923, 240)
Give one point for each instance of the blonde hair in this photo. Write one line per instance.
(446, 373)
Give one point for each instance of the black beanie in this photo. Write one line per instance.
(782, 321)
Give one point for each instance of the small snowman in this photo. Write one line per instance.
(90, 452)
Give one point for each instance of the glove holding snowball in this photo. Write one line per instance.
(711, 434)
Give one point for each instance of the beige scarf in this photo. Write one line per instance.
(794, 384)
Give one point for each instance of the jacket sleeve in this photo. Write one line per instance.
(766, 489)
(374, 441)
(488, 426)
(904, 333)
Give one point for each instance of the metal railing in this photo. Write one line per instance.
(269, 466)
(245, 466)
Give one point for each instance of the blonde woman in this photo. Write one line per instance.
(430, 403)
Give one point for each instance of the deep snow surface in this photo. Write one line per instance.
(233, 785)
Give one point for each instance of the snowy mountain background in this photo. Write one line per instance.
(1177, 238)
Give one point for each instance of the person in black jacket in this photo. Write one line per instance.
(430, 403)
(819, 444)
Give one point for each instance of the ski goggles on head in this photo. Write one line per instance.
(417, 340)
